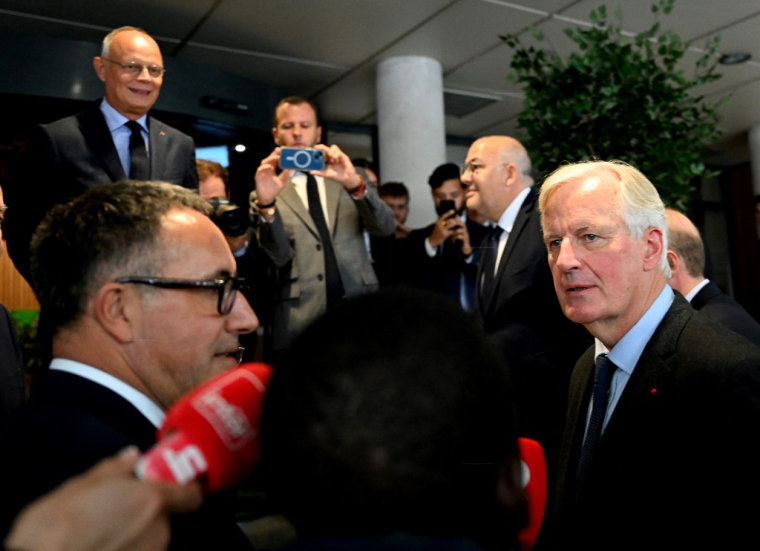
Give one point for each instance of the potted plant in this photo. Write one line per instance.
(621, 96)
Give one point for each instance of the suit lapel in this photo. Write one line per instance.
(517, 228)
(332, 196)
(93, 126)
(705, 293)
(642, 397)
(290, 196)
(157, 146)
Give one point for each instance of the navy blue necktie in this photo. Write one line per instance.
(139, 167)
(602, 379)
(334, 283)
(489, 264)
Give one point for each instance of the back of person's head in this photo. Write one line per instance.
(685, 241)
(393, 189)
(108, 230)
(393, 413)
(443, 173)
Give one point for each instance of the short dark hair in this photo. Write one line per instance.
(393, 189)
(295, 100)
(107, 230)
(407, 431)
(447, 171)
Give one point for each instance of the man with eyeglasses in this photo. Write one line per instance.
(514, 294)
(140, 304)
(112, 140)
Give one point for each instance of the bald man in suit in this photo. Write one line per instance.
(686, 257)
(67, 157)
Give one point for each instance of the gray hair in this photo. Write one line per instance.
(641, 206)
(106, 50)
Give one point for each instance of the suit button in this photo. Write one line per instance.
(320, 277)
(319, 247)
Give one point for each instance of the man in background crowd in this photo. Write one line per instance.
(443, 257)
(312, 224)
(213, 180)
(386, 250)
(514, 294)
(112, 140)
(686, 257)
(396, 196)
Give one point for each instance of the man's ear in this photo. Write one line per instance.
(114, 308)
(653, 248)
(100, 67)
(510, 174)
(673, 262)
(319, 135)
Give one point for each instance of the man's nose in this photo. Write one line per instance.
(566, 256)
(242, 319)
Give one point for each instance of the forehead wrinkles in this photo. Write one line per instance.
(590, 202)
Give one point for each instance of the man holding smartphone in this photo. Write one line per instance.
(313, 223)
(443, 257)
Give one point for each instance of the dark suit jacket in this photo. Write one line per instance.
(65, 158)
(12, 377)
(293, 244)
(717, 306)
(525, 321)
(68, 425)
(442, 273)
(678, 461)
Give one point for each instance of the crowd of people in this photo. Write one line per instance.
(407, 362)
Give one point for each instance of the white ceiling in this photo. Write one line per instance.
(328, 51)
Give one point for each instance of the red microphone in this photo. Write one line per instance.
(534, 484)
(212, 433)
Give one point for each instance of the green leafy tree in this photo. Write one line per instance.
(619, 98)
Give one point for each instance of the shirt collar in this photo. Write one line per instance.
(697, 288)
(140, 401)
(115, 120)
(626, 353)
(508, 217)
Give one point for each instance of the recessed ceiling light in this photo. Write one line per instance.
(239, 148)
(734, 59)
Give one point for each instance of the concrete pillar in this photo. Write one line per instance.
(411, 128)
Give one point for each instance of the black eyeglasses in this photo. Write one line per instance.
(136, 69)
(227, 287)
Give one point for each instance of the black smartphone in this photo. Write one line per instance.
(445, 206)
